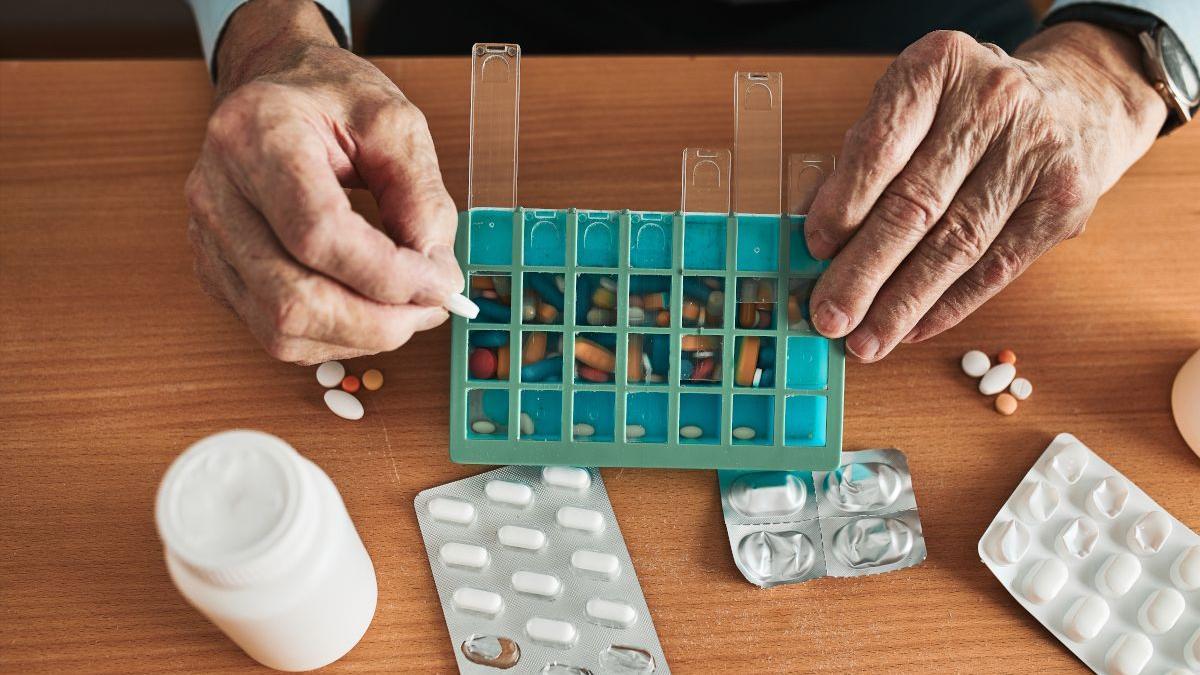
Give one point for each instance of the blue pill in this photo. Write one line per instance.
(492, 311)
(641, 285)
(606, 340)
(660, 352)
(696, 289)
(685, 369)
(544, 285)
(489, 338)
(766, 356)
(543, 370)
(768, 378)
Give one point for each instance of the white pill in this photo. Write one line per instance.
(596, 564)
(1077, 539)
(344, 404)
(1129, 654)
(1108, 498)
(469, 556)
(691, 431)
(526, 538)
(635, 431)
(1020, 388)
(1148, 533)
(744, 433)
(584, 520)
(560, 282)
(997, 379)
(1008, 542)
(1118, 574)
(1044, 580)
(551, 631)
(484, 427)
(478, 601)
(608, 283)
(1160, 611)
(637, 316)
(1191, 651)
(975, 363)
(535, 583)
(1069, 461)
(451, 510)
(1085, 618)
(567, 477)
(1185, 571)
(461, 305)
(508, 492)
(1037, 501)
(330, 373)
(610, 613)
(527, 426)
(582, 430)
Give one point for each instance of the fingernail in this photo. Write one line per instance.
(865, 346)
(831, 321)
(461, 305)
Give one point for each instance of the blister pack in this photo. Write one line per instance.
(791, 526)
(532, 572)
(1101, 565)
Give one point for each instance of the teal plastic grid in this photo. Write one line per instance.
(797, 419)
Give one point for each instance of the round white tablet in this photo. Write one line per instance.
(330, 373)
(975, 363)
(344, 405)
(1020, 388)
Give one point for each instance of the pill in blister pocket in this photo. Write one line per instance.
(569, 477)
(596, 564)
(610, 613)
(526, 538)
(478, 601)
(535, 583)
(551, 631)
(469, 556)
(1148, 534)
(1129, 654)
(490, 650)
(451, 510)
(1191, 651)
(1118, 574)
(1108, 498)
(575, 518)
(1085, 618)
(1185, 571)
(1160, 611)
(1044, 580)
(507, 492)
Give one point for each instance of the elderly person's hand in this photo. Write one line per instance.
(967, 165)
(297, 120)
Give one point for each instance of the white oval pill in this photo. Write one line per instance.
(526, 538)
(469, 556)
(567, 477)
(1118, 574)
(527, 426)
(478, 601)
(451, 510)
(1129, 654)
(1037, 501)
(330, 373)
(1148, 534)
(551, 631)
(997, 379)
(1020, 388)
(691, 431)
(1160, 611)
(610, 613)
(1044, 580)
(744, 433)
(1185, 571)
(1008, 542)
(596, 564)
(483, 427)
(1191, 651)
(584, 520)
(535, 583)
(582, 430)
(1085, 618)
(975, 363)
(1108, 498)
(343, 404)
(508, 492)
(635, 431)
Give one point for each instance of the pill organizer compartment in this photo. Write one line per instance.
(487, 414)
(492, 293)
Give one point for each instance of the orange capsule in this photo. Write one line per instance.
(697, 343)
(1007, 356)
(634, 362)
(535, 348)
(594, 355)
(663, 319)
(747, 361)
(350, 384)
(655, 301)
(691, 310)
(502, 362)
(481, 283)
(747, 314)
(546, 313)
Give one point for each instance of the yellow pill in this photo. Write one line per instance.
(604, 298)
(372, 379)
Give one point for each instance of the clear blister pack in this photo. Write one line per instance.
(533, 574)
(791, 526)
(1101, 565)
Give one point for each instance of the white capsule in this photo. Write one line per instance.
(508, 492)
(1129, 654)
(451, 510)
(637, 316)
(584, 520)
(1008, 542)
(478, 601)
(744, 433)
(527, 538)
(551, 631)
(1020, 388)
(1118, 574)
(610, 613)
(583, 430)
(1160, 611)
(1149, 533)
(1108, 498)
(596, 564)
(634, 431)
(1044, 580)
(975, 363)
(527, 426)
(468, 556)
(483, 427)
(343, 404)
(535, 583)
(1085, 618)
(1037, 501)
(997, 379)
(690, 431)
(330, 373)
(567, 477)
(1185, 571)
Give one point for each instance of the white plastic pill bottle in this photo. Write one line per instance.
(258, 539)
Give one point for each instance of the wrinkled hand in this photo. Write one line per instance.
(967, 165)
(272, 229)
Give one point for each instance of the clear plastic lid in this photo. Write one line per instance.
(495, 106)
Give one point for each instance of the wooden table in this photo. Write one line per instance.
(113, 362)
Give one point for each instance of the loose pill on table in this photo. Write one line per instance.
(975, 363)
(478, 601)
(634, 431)
(452, 510)
(1006, 404)
(1044, 580)
(344, 405)
(330, 373)
(551, 631)
(536, 583)
(744, 433)
(610, 613)
(372, 380)
(584, 520)
(483, 427)
(350, 384)
(596, 564)
(1007, 356)
(1118, 574)
(691, 431)
(997, 379)
(1129, 654)
(583, 430)
(527, 538)
(508, 492)
(468, 556)
(527, 426)
(567, 477)
(1020, 388)
(1085, 618)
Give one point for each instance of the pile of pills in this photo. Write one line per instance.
(703, 302)
(650, 301)
(755, 361)
(700, 359)
(756, 303)
(341, 386)
(491, 294)
(543, 298)
(995, 379)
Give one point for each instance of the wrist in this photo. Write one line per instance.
(265, 36)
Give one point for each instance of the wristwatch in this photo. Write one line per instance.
(1168, 66)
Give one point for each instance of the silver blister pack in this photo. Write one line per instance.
(533, 574)
(791, 526)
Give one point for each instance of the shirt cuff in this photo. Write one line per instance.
(1183, 16)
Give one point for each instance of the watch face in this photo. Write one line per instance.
(1181, 72)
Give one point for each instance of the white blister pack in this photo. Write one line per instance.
(1109, 572)
(786, 527)
(533, 574)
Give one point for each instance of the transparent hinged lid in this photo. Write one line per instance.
(758, 142)
(495, 106)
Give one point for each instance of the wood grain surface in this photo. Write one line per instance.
(113, 362)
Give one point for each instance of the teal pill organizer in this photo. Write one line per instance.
(634, 338)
